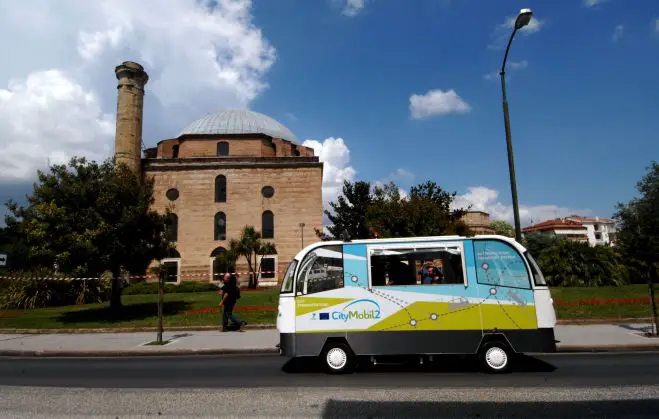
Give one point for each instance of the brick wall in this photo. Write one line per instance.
(297, 199)
(206, 146)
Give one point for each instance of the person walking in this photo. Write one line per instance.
(230, 295)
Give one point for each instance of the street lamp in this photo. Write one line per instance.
(523, 19)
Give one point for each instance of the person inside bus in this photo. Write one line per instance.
(426, 277)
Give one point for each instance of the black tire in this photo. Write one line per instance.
(337, 358)
(496, 357)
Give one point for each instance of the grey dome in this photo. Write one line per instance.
(239, 121)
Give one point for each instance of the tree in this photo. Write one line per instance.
(87, 218)
(577, 264)
(502, 228)
(349, 217)
(638, 232)
(251, 246)
(384, 212)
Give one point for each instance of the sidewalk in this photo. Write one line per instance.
(573, 338)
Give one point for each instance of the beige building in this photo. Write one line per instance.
(223, 171)
(478, 222)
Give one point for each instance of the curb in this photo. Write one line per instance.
(136, 353)
(124, 330)
(586, 322)
(608, 348)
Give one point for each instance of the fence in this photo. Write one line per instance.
(243, 277)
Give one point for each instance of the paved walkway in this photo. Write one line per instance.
(571, 337)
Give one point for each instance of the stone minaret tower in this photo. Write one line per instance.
(130, 105)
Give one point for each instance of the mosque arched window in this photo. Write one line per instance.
(220, 226)
(221, 188)
(267, 225)
(222, 149)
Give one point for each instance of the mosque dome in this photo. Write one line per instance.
(239, 121)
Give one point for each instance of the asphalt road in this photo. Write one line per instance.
(560, 370)
(553, 386)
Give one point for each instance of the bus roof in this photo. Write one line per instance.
(312, 246)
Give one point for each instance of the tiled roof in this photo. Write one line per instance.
(591, 220)
(555, 224)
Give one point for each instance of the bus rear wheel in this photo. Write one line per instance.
(496, 357)
(338, 358)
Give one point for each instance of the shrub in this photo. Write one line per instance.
(26, 290)
(569, 263)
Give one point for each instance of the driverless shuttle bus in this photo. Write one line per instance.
(482, 295)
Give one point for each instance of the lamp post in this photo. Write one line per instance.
(523, 19)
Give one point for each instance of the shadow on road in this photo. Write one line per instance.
(562, 410)
(444, 364)
(127, 313)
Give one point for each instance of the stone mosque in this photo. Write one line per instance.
(221, 172)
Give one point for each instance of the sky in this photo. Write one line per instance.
(383, 90)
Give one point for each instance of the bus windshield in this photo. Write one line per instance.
(287, 283)
(538, 278)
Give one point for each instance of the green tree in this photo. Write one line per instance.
(349, 217)
(427, 212)
(88, 218)
(536, 242)
(638, 232)
(251, 246)
(577, 264)
(502, 228)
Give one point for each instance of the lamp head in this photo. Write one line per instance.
(523, 18)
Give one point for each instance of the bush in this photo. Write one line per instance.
(570, 263)
(185, 286)
(26, 291)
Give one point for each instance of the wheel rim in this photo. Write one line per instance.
(336, 358)
(496, 358)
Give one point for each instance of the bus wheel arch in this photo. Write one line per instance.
(495, 353)
(337, 356)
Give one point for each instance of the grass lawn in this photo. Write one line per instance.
(142, 310)
(605, 311)
(259, 307)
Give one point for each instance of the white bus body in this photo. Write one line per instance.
(340, 300)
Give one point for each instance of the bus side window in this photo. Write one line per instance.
(498, 263)
(321, 270)
(423, 266)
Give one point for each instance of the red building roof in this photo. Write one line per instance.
(555, 224)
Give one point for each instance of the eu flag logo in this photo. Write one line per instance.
(324, 316)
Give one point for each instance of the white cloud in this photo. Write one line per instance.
(437, 102)
(593, 3)
(486, 199)
(353, 7)
(502, 32)
(513, 65)
(48, 118)
(60, 98)
(656, 25)
(618, 32)
(336, 156)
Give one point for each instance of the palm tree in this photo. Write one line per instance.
(251, 246)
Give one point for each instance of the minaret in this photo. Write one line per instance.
(130, 106)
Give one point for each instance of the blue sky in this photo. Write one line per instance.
(581, 86)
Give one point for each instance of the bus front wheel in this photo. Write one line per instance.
(338, 358)
(496, 357)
